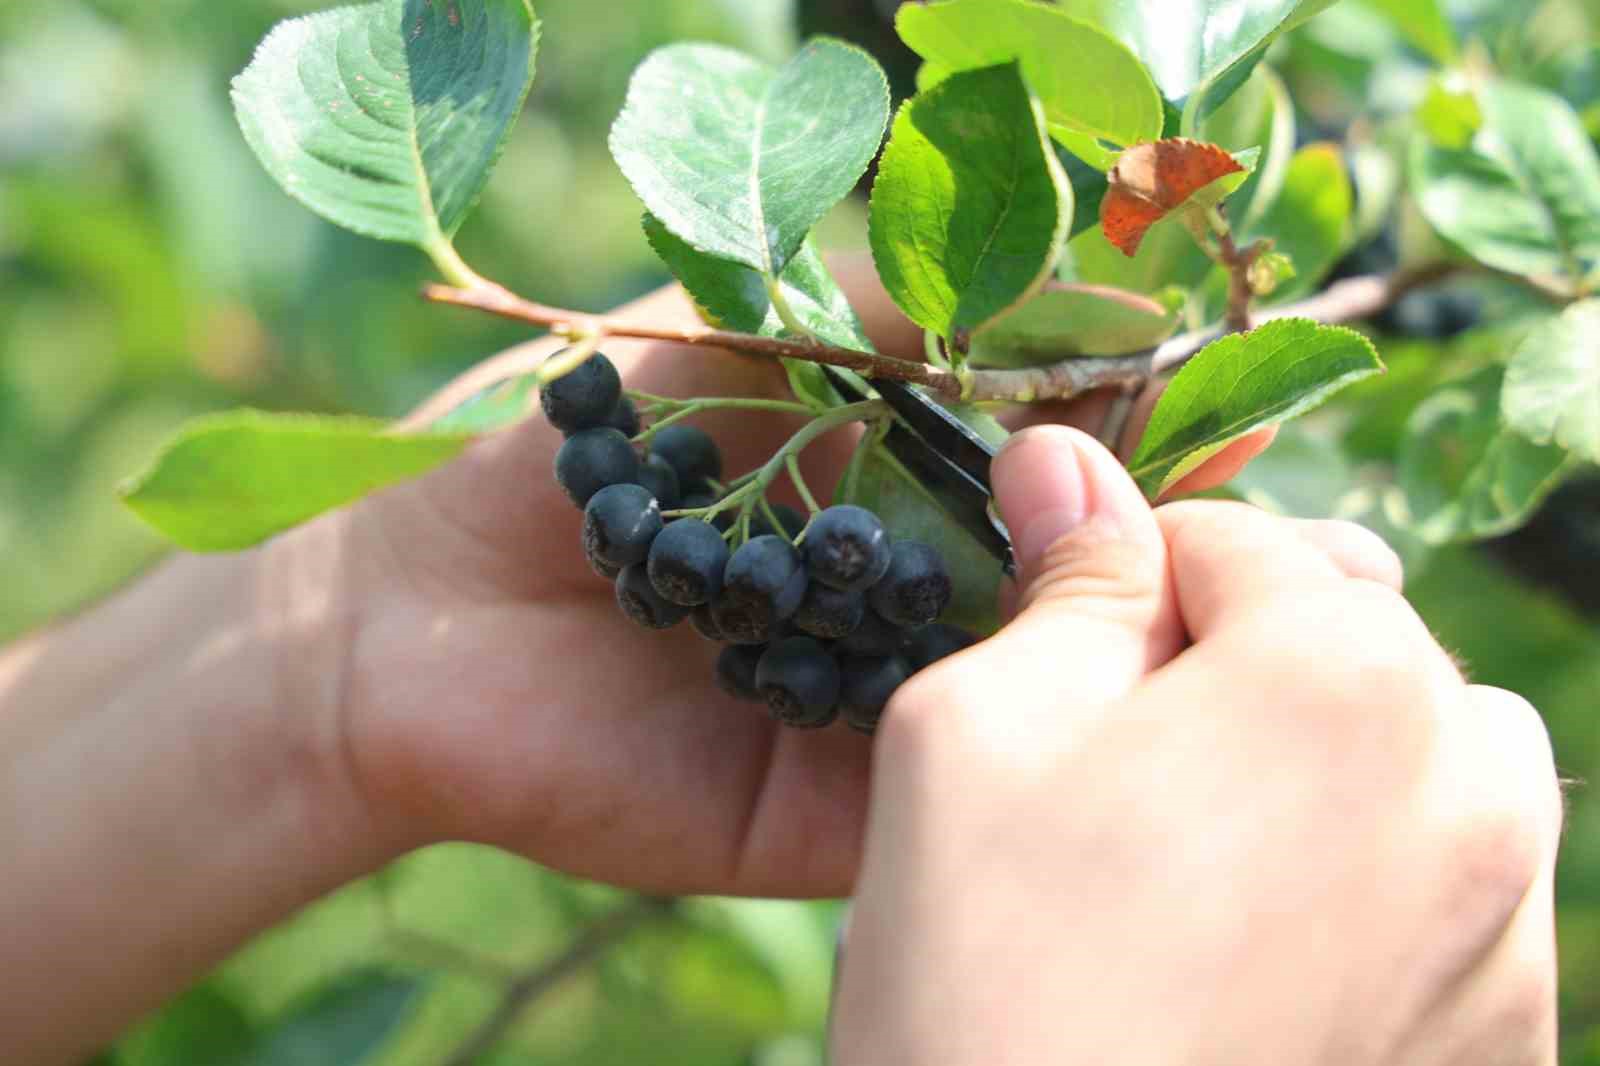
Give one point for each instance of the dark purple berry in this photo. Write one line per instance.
(657, 475)
(916, 588)
(928, 645)
(873, 637)
(624, 418)
(692, 453)
(585, 397)
(736, 671)
(800, 682)
(865, 686)
(829, 614)
(592, 459)
(641, 603)
(619, 525)
(687, 562)
(847, 548)
(762, 586)
(791, 520)
(704, 621)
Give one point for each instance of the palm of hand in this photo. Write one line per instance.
(492, 691)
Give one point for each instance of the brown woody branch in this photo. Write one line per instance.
(1345, 301)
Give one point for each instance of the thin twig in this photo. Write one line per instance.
(522, 993)
(1345, 301)
(498, 301)
(1238, 261)
(1117, 415)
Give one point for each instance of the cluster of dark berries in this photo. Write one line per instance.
(823, 619)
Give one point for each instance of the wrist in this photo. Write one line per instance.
(175, 786)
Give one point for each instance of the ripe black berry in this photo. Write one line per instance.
(657, 475)
(592, 459)
(873, 637)
(847, 548)
(704, 621)
(624, 418)
(605, 570)
(928, 645)
(584, 398)
(692, 453)
(736, 670)
(828, 613)
(698, 501)
(800, 682)
(640, 601)
(865, 687)
(791, 520)
(763, 584)
(619, 525)
(687, 562)
(916, 588)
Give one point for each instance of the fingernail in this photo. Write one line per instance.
(1052, 480)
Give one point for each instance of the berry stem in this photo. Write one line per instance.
(749, 489)
(800, 486)
(689, 408)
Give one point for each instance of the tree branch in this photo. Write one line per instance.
(499, 301)
(523, 992)
(1344, 301)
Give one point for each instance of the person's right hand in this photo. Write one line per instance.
(1214, 796)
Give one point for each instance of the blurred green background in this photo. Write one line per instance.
(150, 271)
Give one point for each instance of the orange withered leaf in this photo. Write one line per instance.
(1152, 180)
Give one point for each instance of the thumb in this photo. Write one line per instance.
(1096, 607)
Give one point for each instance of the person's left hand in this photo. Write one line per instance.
(481, 684)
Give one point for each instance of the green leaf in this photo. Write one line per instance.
(1450, 116)
(911, 510)
(740, 160)
(1200, 48)
(1167, 256)
(343, 1026)
(231, 481)
(1552, 386)
(1066, 320)
(970, 205)
(1260, 114)
(1424, 23)
(735, 297)
(1466, 474)
(203, 1027)
(386, 118)
(1526, 197)
(502, 404)
(1241, 383)
(1104, 93)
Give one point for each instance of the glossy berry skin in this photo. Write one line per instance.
(624, 418)
(657, 475)
(800, 682)
(873, 637)
(642, 604)
(865, 687)
(687, 562)
(619, 525)
(584, 398)
(736, 671)
(592, 459)
(762, 586)
(692, 453)
(829, 614)
(915, 589)
(791, 520)
(847, 548)
(928, 645)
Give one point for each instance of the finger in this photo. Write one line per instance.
(1230, 559)
(1354, 549)
(1095, 611)
(1521, 761)
(1225, 465)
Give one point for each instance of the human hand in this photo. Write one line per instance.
(1302, 838)
(490, 690)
